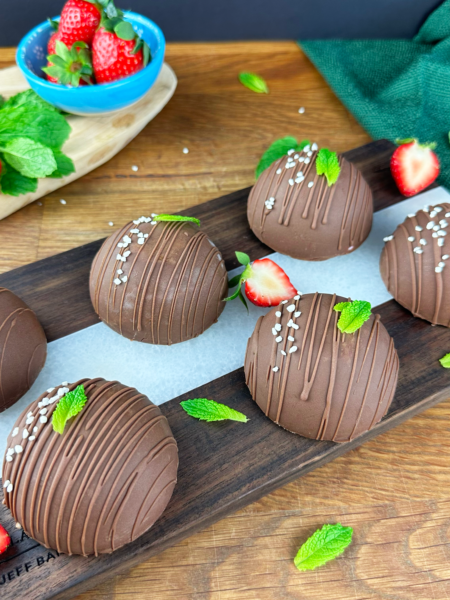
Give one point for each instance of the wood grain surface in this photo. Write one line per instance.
(393, 490)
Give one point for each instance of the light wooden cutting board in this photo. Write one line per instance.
(94, 140)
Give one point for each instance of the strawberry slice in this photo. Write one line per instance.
(414, 166)
(266, 284)
(5, 540)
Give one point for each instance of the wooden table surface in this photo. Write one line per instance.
(394, 491)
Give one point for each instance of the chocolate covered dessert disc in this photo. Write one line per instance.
(415, 264)
(99, 484)
(158, 282)
(294, 211)
(23, 348)
(312, 379)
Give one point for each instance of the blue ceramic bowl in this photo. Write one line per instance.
(92, 100)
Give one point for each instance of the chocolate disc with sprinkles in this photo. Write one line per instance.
(89, 477)
(312, 379)
(295, 211)
(415, 264)
(158, 282)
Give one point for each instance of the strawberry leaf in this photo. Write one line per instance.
(234, 281)
(147, 54)
(244, 259)
(124, 30)
(242, 299)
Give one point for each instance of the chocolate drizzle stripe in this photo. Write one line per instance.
(349, 385)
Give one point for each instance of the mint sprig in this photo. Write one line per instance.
(277, 150)
(181, 218)
(69, 406)
(324, 545)
(254, 82)
(238, 280)
(445, 361)
(210, 410)
(327, 163)
(354, 315)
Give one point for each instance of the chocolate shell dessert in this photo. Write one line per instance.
(313, 380)
(158, 282)
(414, 264)
(102, 481)
(294, 211)
(23, 348)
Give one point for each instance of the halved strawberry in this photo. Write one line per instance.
(414, 166)
(266, 284)
(5, 540)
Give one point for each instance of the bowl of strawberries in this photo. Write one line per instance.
(94, 59)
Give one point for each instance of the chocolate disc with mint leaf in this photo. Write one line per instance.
(159, 280)
(89, 467)
(308, 203)
(322, 366)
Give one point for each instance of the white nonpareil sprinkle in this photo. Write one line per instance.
(291, 151)
(423, 242)
(278, 326)
(301, 159)
(8, 458)
(430, 225)
(438, 209)
(290, 323)
(310, 153)
(314, 147)
(32, 438)
(283, 353)
(127, 253)
(289, 165)
(438, 269)
(50, 390)
(388, 238)
(10, 451)
(185, 150)
(418, 228)
(29, 420)
(134, 230)
(290, 338)
(18, 526)
(43, 411)
(278, 171)
(124, 279)
(411, 238)
(306, 148)
(433, 213)
(441, 264)
(447, 214)
(291, 182)
(411, 215)
(119, 271)
(15, 431)
(290, 308)
(111, 224)
(30, 414)
(63, 202)
(307, 161)
(301, 110)
(445, 256)
(278, 313)
(297, 314)
(274, 331)
(153, 223)
(43, 419)
(35, 429)
(296, 156)
(434, 234)
(9, 489)
(436, 228)
(140, 241)
(278, 339)
(6, 483)
(442, 233)
(292, 349)
(18, 449)
(25, 434)
(275, 369)
(297, 297)
(135, 168)
(417, 250)
(295, 326)
(440, 241)
(284, 302)
(310, 184)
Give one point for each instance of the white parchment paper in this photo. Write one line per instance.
(163, 372)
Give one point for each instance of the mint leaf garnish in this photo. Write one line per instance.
(278, 149)
(353, 315)
(69, 406)
(64, 165)
(209, 410)
(177, 218)
(445, 361)
(327, 163)
(30, 158)
(324, 545)
(12, 183)
(254, 82)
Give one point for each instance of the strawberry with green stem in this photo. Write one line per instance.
(70, 67)
(117, 49)
(79, 21)
(414, 166)
(266, 284)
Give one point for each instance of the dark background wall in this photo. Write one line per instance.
(207, 20)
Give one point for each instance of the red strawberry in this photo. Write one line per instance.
(414, 166)
(5, 540)
(266, 284)
(79, 21)
(51, 50)
(114, 58)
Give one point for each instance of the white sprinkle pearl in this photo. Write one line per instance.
(297, 297)
(411, 238)
(135, 168)
(310, 184)
(63, 202)
(445, 256)
(291, 182)
(111, 224)
(423, 242)
(29, 421)
(32, 438)
(430, 225)
(301, 110)
(141, 241)
(307, 161)
(314, 147)
(418, 228)
(278, 339)
(418, 250)
(283, 353)
(35, 429)
(284, 302)
(43, 419)
(278, 326)
(278, 313)
(9, 489)
(25, 434)
(18, 449)
(8, 458)
(438, 269)
(292, 349)
(15, 431)
(274, 331)
(290, 338)
(440, 241)
(43, 411)
(441, 264)
(295, 326)
(278, 171)
(275, 369)
(18, 526)
(388, 238)
(185, 150)
(7, 482)
(117, 281)
(291, 308)
(297, 314)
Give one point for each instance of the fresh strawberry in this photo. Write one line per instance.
(117, 50)
(51, 49)
(5, 540)
(414, 166)
(70, 67)
(79, 22)
(266, 284)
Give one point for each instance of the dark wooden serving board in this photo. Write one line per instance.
(223, 466)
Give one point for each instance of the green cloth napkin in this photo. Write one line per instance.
(395, 88)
